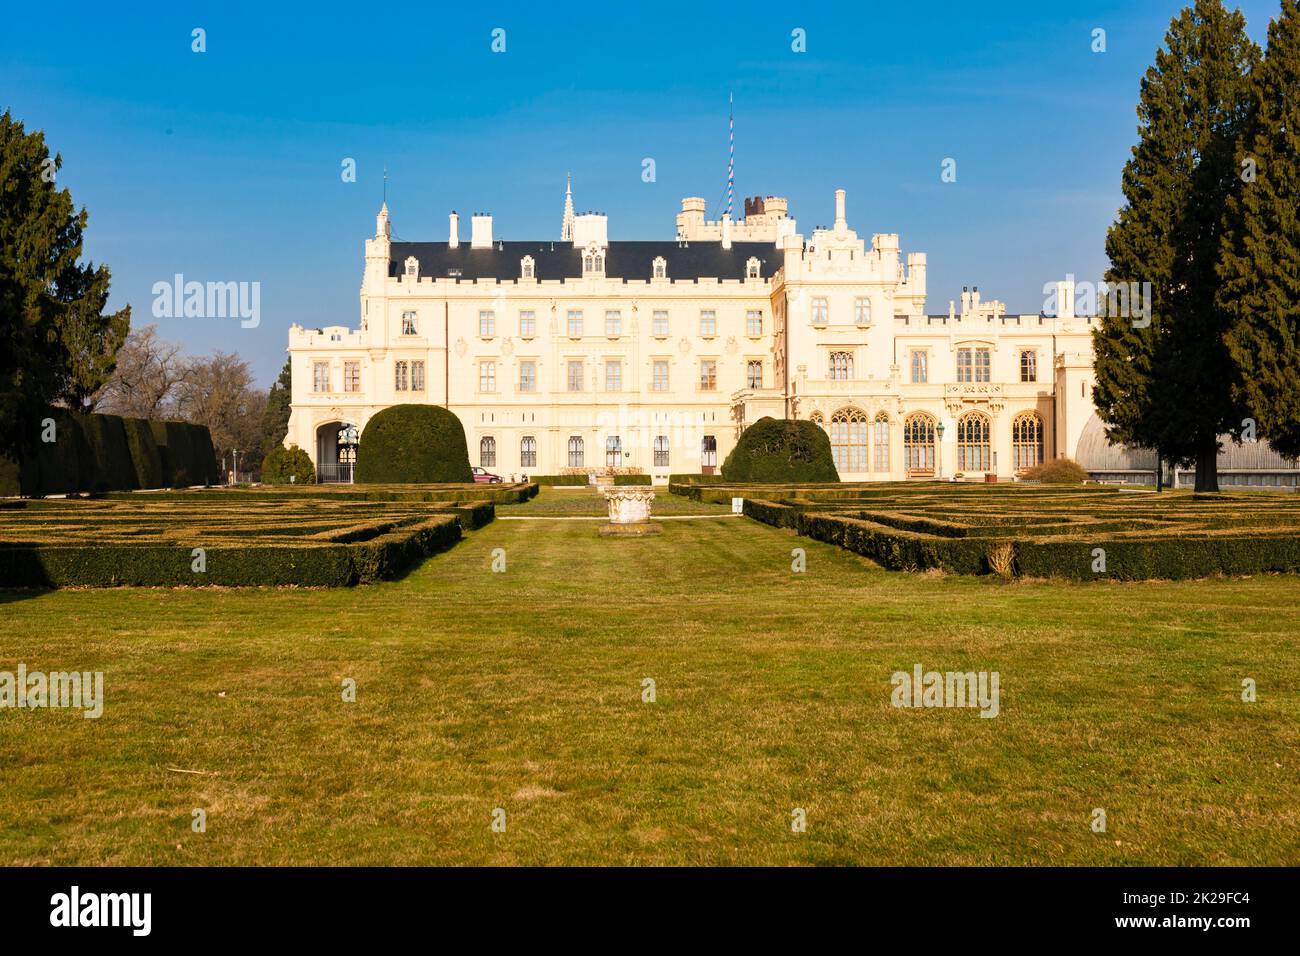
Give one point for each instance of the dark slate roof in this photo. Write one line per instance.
(560, 260)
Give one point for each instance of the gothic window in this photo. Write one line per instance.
(1027, 440)
(918, 444)
(849, 439)
(973, 443)
(880, 443)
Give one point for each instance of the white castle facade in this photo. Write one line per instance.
(584, 353)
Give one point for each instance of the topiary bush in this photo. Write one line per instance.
(282, 464)
(1058, 471)
(781, 450)
(206, 469)
(413, 444)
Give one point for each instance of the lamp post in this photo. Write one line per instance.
(938, 452)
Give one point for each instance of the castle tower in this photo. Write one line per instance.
(566, 226)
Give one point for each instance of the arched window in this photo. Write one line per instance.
(816, 418)
(528, 452)
(918, 444)
(849, 439)
(575, 451)
(973, 443)
(841, 366)
(880, 443)
(487, 452)
(1027, 440)
(752, 268)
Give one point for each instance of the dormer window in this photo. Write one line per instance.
(660, 267)
(593, 261)
(752, 268)
(526, 268)
(412, 267)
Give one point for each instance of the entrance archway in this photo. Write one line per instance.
(336, 452)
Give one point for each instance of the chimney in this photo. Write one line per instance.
(840, 224)
(1065, 298)
(454, 241)
(480, 231)
(726, 230)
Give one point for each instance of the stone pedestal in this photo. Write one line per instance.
(629, 511)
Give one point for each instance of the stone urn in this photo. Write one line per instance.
(629, 511)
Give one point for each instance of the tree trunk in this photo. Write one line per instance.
(1207, 466)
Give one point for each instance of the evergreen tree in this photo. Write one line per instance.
(1168, 383)
(55, 340)
(1261, 255)
(275, 422)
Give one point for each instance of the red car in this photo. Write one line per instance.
(487, 477)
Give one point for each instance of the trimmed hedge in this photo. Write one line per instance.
(413, 444)
(146, 459)
(632, 480)
(564, 480)
(785, 450)
(97, 453)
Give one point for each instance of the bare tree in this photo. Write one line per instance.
(218, 392)
(148, 371)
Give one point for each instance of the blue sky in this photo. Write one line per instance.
(225, 165)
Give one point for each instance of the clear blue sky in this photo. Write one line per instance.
(225, 165)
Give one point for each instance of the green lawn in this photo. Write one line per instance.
(522, 690)
(584, 502)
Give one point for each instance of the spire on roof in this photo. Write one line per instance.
(566, 226)
(383, 228)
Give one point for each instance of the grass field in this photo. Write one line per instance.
(523, 690)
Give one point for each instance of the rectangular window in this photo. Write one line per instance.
(660, 383)
(920, 367)
(527, 376)
(575, 324)
(708, 324)
(320, 373)
(708, 375)
(754, 374)
(527, 325)
(487, 324)
(399, 376)
(1028, 366)
(575, 376)
(982, 365)
(709, 452)
(820, 312)
(575, 451)
(528, 452)
(408, 323)
(660, 324)
(613, 324)
(964, 367)
(661, 451)
(862, 311)
(613, 451)
(613, 376)
(417, 376)
(351, 376)
(754, 324)
(487, 376)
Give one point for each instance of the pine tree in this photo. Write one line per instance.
(275, 422)
(55, 341)
(1261, 255)
(1168, 385)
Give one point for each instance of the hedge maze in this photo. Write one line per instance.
(311, 537)
(1085, 533)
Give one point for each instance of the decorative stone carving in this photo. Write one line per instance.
(731, 345)
(507, 348)
(461, 348)
(629, 505)
(684, 345)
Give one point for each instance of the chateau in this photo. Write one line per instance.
(584, 353)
